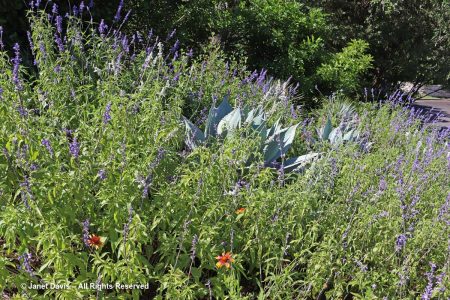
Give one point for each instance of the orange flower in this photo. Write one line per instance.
(95, 241)
(224, 260)
(240, 211)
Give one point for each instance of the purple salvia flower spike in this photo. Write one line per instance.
(46, 144)
(86, 232)
(25, 265)
(400, 242)
(119, 9)
(1, 38)
(101, 174)
(82, 6)
(74, 148)
(107, 114)
(58, 22)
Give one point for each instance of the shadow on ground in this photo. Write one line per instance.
(436, 112)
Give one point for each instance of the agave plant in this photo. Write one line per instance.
(224, 121)
(345, 132)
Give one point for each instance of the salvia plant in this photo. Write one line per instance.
(224, 121)
(101, 199)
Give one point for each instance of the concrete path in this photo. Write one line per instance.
(435, 107)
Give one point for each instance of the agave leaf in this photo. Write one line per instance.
(350, 136)
(262, 131)
(294, 163)
(230, 122)
(194, 136)
(258, 120)
(336, 136)
(279, 144)
(215, 115)
(275, 128)
(332, 136)
(249, 116)
(326, 130)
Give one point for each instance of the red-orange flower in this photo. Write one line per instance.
(95, 241)
(224, 260)
(240, 211)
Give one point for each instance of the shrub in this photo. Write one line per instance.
(408, 40)
(346, 69)
(288, 38)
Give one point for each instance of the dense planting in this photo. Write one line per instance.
(99, 184)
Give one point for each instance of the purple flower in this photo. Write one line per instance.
(294, 114)
(194, 246)
(126, 228)
(361, 266)
(16, 63)
(148, 180)
(46, 144)
(101, 174)
(1, 93)
(150, 34)
(119, 9)
(1, 38)
(125, 44)
(107, 114)
(22, 111)
(74, 148)
(25, 264)
(400, 242)
(42, 49)
(59, 43)
(82, 6)
(26, 191)
(30, 41)
(171, 35)
(175, 47)
(444, 210)
(126, 16)
(86, 232)
(58, 22)
(102, 27)
(55, 9)
(382, 185)
(427, 294)
(75, 10)
(91, 4)
(190, 53)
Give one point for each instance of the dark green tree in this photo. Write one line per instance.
(409, 39)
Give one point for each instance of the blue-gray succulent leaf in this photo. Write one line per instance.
(276, 127)
(230, 123)
(215, 115)
(350, 136)
(326, 130)
(299, 162)
(194, 136)
(279, 144)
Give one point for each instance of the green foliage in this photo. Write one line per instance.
(408, 40)
(346, 69)
(92, 146)
(288, 38)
